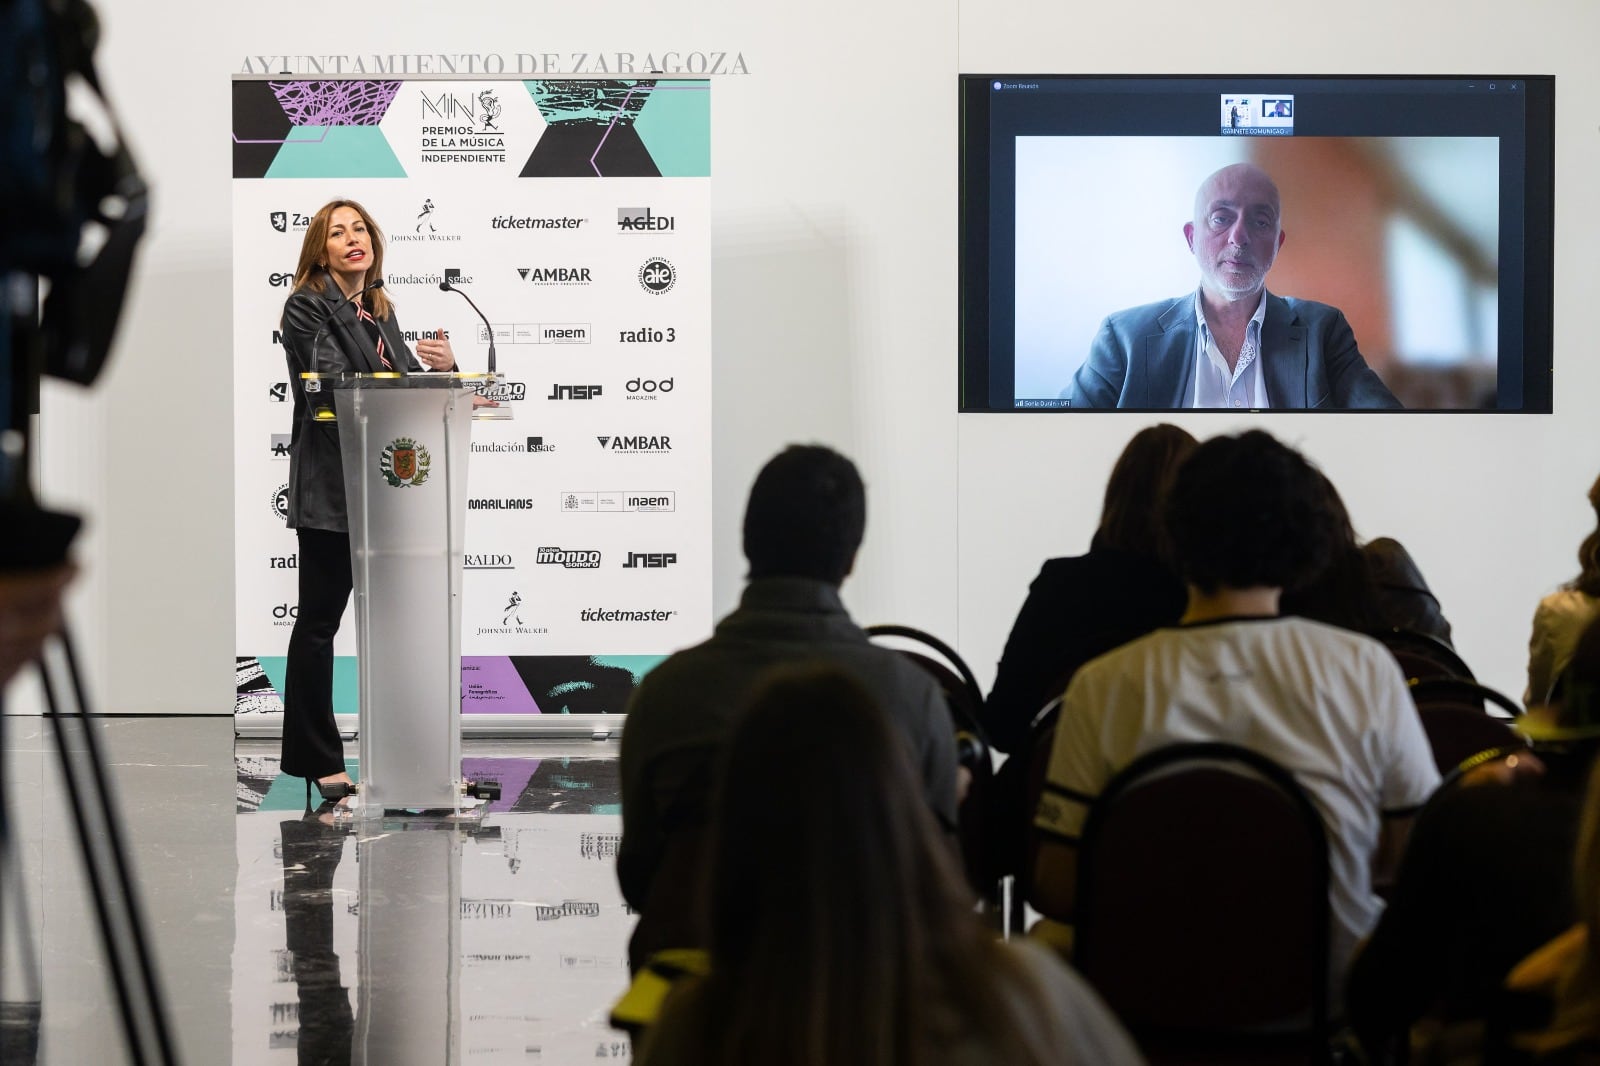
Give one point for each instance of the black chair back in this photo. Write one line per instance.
(1455, 715)
(1423, 656)
(1202, 902)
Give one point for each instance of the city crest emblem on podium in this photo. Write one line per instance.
(404, 462)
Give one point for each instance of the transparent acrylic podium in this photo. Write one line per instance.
(405, 440)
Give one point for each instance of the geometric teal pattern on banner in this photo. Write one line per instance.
(675, 125)
(346, 686)
(336, 152)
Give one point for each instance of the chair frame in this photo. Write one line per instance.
(1138, 772)
(1427, 646)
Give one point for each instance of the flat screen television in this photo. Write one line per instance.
(1261, 242)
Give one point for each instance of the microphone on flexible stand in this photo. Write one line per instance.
(447, 286)
(325, 414)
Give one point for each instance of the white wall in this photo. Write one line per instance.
(834, 192)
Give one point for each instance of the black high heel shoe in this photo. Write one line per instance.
(331, 791)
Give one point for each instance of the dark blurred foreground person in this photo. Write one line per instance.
(1564, 614)
(841, 930)
(803, 525)
(1487, 878)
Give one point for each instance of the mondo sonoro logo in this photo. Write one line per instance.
(657, 277)
(573, 560)
(643, 220)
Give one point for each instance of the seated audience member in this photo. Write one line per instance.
(1563, 614)
(1369, 588)
(802, 525)
(1083, 606)
(1566, 971)
(1486, 878)
(841, 929)
(1246, 519)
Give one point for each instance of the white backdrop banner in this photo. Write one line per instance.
(576, 213)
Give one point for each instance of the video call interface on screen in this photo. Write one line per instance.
(1389, 239)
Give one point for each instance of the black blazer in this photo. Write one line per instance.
(316, 474)
(1077, 609)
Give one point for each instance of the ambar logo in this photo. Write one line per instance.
(636, 445)
(555, 275)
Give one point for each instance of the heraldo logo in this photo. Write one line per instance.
(650, 560)
(636, 445)
(280, 502)
(632, 500)
(489, 561)
(506, 503)
(572, 560)
(648, 388)
(641, 220)
(278, 392)
(284, 614)
(607, 614)
(278, 281)
(647, 335)
(573, 392)
(280, 445)
(657, 277)
(555, 275)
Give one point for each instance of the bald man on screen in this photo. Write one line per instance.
(1231, 343)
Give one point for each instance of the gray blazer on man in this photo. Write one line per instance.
(1144, 357)
(316, 473)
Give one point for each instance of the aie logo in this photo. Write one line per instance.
(280, 445)
(280, 502)
(649, 560)
(283, 562)
(278, 281)
(573, 392)
(647, 388)
(572, 560)
(403, 463)
(646, 335)
(657, 276)
(555, 275)
(640, 220)
(636, 445)
(279, 392)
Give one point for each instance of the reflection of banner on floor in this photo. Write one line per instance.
(598, 293)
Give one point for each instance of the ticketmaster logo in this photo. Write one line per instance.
(603, 614)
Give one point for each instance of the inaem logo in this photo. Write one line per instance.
(641, 220)
(657, 277)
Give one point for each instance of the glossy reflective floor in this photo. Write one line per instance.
(283, 938)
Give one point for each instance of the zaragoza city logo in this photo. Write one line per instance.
(404, 462)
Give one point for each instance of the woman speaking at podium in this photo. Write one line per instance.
(338, 319)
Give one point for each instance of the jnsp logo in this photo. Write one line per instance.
(574, 392)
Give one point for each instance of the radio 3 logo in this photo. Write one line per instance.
(647, 335)
(573, 392)
(650, 560)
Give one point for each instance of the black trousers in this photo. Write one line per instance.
(311, 745)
